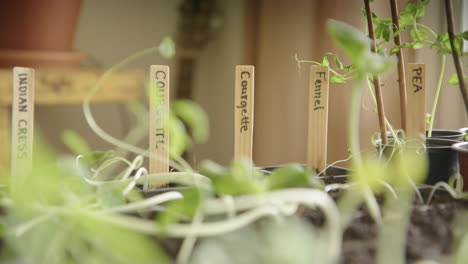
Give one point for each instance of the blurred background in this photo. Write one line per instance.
(213, 36)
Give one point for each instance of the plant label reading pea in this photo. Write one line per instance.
(416, 101)
(159, 117)
(22, 121)
(318, 117)
(243, 112)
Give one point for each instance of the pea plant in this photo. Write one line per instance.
(420, 36)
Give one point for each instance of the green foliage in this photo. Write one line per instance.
(54, 217)
(183, 209)
(411, 12)
(356, 45)
(167, 48)
(290, 176)
(195, 118)
(383, 28)
(454, 79)
(179, 141)
(370, 173)
(75, 142)
(92, 159)
(241, 178)
(291, 241)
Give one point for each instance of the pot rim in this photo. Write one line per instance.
(459, 147)
(449, 142)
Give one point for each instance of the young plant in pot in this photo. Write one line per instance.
(443, 161)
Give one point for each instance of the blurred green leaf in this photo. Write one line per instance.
(454, 79)
(338, 63)
(418, 45)
(290, 176)
(179, 141)
(167, 48)
(75, 142)
(241, 178)
(357, 46)
(464, 35)
(324, 60)
(418, 34)
(195, 118)
(337, 79)
(352, 41)
(92, 159)
(182, 209)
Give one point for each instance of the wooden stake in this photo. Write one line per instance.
(22, 121)
(244, 112)
(416, 92)
(159, 116)
(401, 65)
(318, 118)
(456, 58)
(377, 88)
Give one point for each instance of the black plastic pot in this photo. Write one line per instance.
(462, 151)
(443, 161)
(438, 133)
(331, 171)
(464, 130)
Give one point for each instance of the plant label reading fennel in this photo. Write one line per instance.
(416, 100)
(22, 121)
(159, 117)
(243, 112)
(318, 117)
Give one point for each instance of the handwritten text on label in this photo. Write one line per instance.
(318, 91)
(160, 85)
(417, 80)
(245, 75)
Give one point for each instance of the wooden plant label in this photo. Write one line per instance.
(22, 121)
(318, 118)
(159, 116)
(416, 101)
(244, 112)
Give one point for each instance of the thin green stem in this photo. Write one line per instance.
(436, 96)
(387, 123)
(353, 125)
(428, 29)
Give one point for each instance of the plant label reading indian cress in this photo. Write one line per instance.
(318, 117)
(243, 112)
(22, 121)
(416, 100)
(159, 117)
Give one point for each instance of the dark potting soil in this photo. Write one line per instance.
(430, 232)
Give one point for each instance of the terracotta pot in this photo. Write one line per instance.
(38, 33)
(462, 151)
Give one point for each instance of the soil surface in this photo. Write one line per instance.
(430, 233)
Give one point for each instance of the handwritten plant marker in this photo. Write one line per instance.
(159, 117)
(244, 112)
(318, 117)
(416, 101)
(22, 121)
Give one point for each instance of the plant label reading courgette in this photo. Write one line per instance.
(416, 100)
(244, 112)
(159, 119)
(318, 117)
(22, 121)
